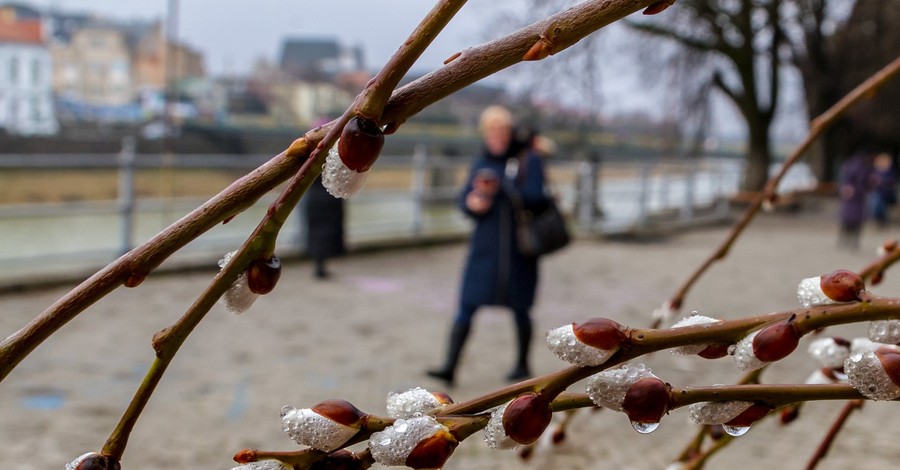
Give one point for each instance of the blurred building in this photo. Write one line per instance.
(26, 96)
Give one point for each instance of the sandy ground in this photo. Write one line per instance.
(382, 320)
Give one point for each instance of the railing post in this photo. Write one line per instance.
(419, 161)
(690, 186)
(644, 196)
(126, 194)
(587, 195)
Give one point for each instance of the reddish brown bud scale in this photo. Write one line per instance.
(526, 452)
(714, 351)
(442, 398)
(432, 452)
(98, 462)
(789, 414)
(842, 285)
(339, 411)
(360, 144)
(775, 342)
(890, 359)
(263, 274)
(601, 333)
(558, 436)
(526, 417)
(751, 415)
(646, 401)
(245, 456)
(539, 50)
(658, 7)
(877, 278)
(889, 245)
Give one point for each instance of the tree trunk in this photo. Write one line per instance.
(758, 155)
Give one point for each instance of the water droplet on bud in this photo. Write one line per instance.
(644, 428)
(735, 431)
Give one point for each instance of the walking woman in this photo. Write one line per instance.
(495, 272)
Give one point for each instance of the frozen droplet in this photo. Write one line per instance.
(828, 353)
(391, 448)
(608, 388)
(340, 181)
(717, 412)
(563, 342)
(735, 430)
(810, 293)
(238, 298)
(411, 403)
(692, 320)
(494, 434)
(401, 427)
(264, 465)
(743, 353)
(867, 375)
(306, 427)
(885, 331)
(71, 465)
(644, 428)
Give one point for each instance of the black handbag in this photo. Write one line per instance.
(537, 233)
(542, 233)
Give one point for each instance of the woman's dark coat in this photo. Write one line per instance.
(496, 273)
(324, 222)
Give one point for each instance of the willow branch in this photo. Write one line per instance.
(836, 427)
(817, 127)
(874, 272)
(475, 64)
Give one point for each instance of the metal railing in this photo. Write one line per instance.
(415, 201)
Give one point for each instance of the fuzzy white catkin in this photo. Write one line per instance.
(717, 412)
(828, 353)
(692, 320)
(743, 353)
(809, 292)
(494, 434)
(264, 465)
(340, 181)
(885, 331)
(412, 403)
(563, 342)
(71, 465)
(392, 446)
(238, 298)
(309, 428)
(608, 388)
(867, 375)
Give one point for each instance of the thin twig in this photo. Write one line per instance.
(874, 272)
(471, 66)
(836, 427)
(817, 127)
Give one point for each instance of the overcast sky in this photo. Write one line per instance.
(233, 33)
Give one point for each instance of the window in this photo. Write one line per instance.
(14, 70)
(36, 72)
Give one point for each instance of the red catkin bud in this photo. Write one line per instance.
(340, 411)
(877, 278)
(96, 461)
(890, 359)
(749, 416)
(889, 245)
(714, 351)
(601, 333)
(526, 452)
(433, 451)
(263, 274)
(789, 414)
(558, 436)
(360, 144)
(776, 342)
(526, 417)
(646, 401)
(658, 7)
(842, 285)
(245, 456)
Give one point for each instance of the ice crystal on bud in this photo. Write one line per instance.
(692, 320)
(494, 434)
(309, 428)
(74, 464)
(563, 342)
(743, 353)
(340, 181)
(608, 388)
(392, 446)
(810, 293)
(264, 465)
(238, 298)
(717, 412)
(412, 403)
(828, 353)
(868, 376)
(885, 331)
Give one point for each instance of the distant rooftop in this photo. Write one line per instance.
(298, 54)
(20, 31)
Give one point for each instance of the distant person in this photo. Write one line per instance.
(884, 188)
(854, 183)
(324, 227)
(495, 272)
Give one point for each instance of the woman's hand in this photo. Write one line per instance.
(478, 203)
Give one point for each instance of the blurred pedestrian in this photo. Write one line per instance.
(324, 227)
(495, 272)
(884, 188)
(853, 187)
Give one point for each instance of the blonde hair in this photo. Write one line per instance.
(495, 116)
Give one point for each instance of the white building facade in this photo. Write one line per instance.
(26, 92)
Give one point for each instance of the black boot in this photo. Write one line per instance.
(458, 336)
(523, 338)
